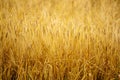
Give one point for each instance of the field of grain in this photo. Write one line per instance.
(59, 39)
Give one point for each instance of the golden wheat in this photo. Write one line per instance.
(59, 39)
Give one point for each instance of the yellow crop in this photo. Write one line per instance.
(59, 39)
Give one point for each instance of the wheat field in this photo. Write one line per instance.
(59, 39)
